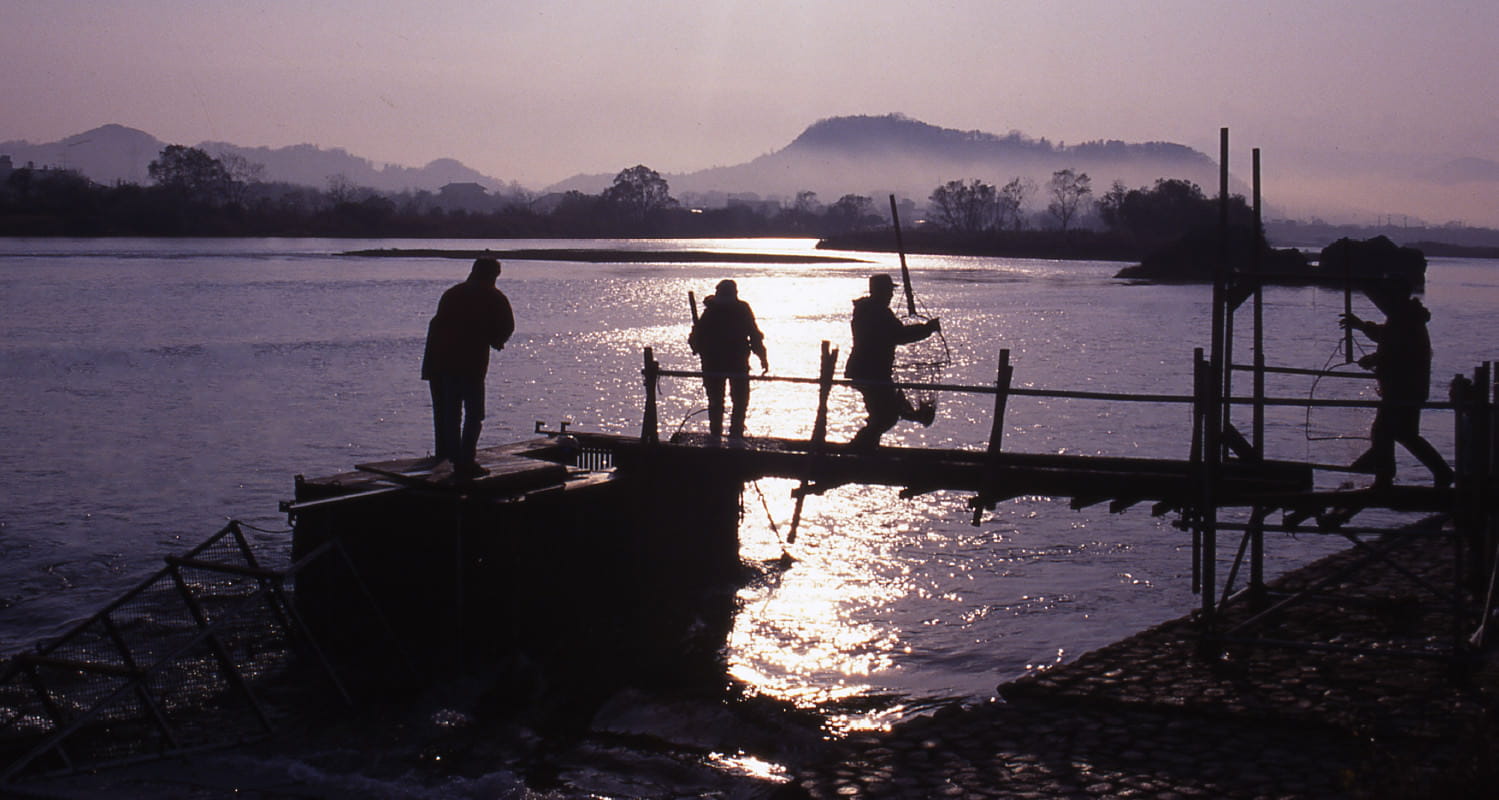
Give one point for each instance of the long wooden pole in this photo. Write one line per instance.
(1257, 519)
(900, 248)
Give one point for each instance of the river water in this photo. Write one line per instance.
(154, 389)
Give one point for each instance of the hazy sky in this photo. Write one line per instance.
(538, 91)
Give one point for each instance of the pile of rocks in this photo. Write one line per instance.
(1153, 716)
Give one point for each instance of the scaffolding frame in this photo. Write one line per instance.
(180, 663)
(1464, 517)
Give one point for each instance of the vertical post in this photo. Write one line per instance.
(1347, 299)
(1472, 544)
(459, 582)
(1259, 314)
(1199, 427)
(1001, 398)
(819, 434)
(648, 432)
(1487, 518)
(1213, 435)
(1002, 378)
(1487, 522)
(824, 388)
(1257, 520)
(1475, 496)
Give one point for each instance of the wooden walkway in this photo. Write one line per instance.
(1087, 480)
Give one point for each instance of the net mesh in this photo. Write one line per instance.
(924, 361)
(174, 664)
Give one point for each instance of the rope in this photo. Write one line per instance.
(1312, 393)
(768, 516)
(690, 415)
(244, 524)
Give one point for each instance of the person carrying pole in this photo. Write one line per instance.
(724, 337)
(877, 332)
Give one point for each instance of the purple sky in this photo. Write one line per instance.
(538, 91)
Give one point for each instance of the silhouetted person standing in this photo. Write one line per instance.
(877, 332)
(1402, 370)
(723, 337)
(471, 318)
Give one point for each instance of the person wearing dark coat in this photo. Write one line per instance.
(472, 318)
(877, 332)
(724, 337)
(1401, 363)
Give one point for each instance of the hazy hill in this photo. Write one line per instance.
(874, 155)
(113, 153)
(106, 154)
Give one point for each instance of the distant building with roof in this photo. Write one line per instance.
(467, 195)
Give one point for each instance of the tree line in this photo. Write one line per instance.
(193, 193)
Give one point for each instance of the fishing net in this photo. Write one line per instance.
(921, 362)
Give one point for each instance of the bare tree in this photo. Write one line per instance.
(242, 173)
(1111, 205)
(340, 189)
(1010, 202)
(850, 213)
(964, 207)
(1068, 192)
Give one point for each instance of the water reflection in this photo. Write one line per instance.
(316, 370)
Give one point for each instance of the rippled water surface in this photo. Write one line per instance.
(156, 388)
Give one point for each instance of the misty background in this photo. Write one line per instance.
(1365, 111)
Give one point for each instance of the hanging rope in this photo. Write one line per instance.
(786, 558)
(1339, 353)
(683, 424)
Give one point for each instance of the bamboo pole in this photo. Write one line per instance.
(819, 434)
(648, 425)
(1257, 517)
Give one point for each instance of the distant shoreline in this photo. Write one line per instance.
(610, 256)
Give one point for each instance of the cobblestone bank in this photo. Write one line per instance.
(1152, 716)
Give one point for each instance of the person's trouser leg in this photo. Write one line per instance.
(883, 403)
(714, 388)
(472, 396)
(1380, 457)
(739, 388)
(447, 407)
(1405, 428)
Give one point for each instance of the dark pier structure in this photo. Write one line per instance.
(629, 545)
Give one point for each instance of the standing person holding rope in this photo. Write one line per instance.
(723, 338)
(877, 332)
(1402, 369)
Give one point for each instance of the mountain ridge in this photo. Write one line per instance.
(875, 155)
(112, 153)
(868, 155)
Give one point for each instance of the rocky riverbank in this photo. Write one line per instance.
(1150, 717)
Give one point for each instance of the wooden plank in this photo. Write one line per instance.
(507, 473)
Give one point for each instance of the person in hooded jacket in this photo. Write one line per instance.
(1401, 363)
(877, 332)
(724, 337)
(472, 318)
